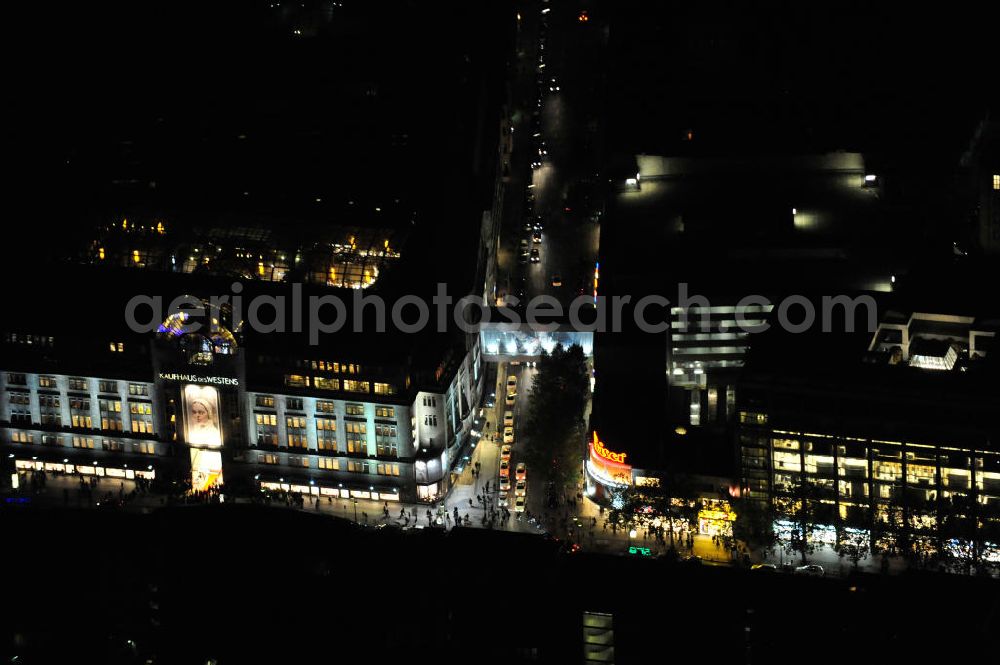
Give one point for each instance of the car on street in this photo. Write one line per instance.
(524, 246)
(811, 569)
(505, 469)
(509, 400)
(519, 504)
(491, 401)
(522, 259)
(521, 472)
(505, 484)
(512, 383)
(536, 236)
(508, 418)
(692, 560)
(503, 499)
(528, 226)
(521, 488)
(535, 258)
(508, 436)
(556, 279)
(505, 452)
(764, 567)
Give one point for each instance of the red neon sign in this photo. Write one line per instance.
(601, 451)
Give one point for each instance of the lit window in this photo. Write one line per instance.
(323, 383)
(297, 381)
(996, 181)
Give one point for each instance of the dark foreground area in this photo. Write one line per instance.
(243, 584)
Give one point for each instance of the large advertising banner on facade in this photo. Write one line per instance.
(206, 469)
(202, 424)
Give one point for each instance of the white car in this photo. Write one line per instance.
(512, 384)
(519, 504)
(504, 484)
(521, 488)
(811, 569)
(508, 437)
(510, 399)
(508, 418)
(503, 500)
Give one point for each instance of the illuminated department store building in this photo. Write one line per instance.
(362, 417)
(892, 430)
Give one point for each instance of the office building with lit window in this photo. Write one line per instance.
(890, 436)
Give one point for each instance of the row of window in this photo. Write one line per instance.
(81, 417)
(78, 384)
(345, 385)
(355, 434)
(327, 366)
(84, 442)
(29, 340)
(325, 406)
(334, 464)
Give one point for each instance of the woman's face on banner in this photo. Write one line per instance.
(199, 413)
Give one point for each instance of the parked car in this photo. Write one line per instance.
(519, 504)
(521, 488)
(521, 473)
(508, 418)
(508, 437)
(505, 484)
(764, 567)
(505, 469)
(505, 451)
(811, 569)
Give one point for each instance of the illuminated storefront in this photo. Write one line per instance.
(716, 518)
(98, 470)
(605, 471)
